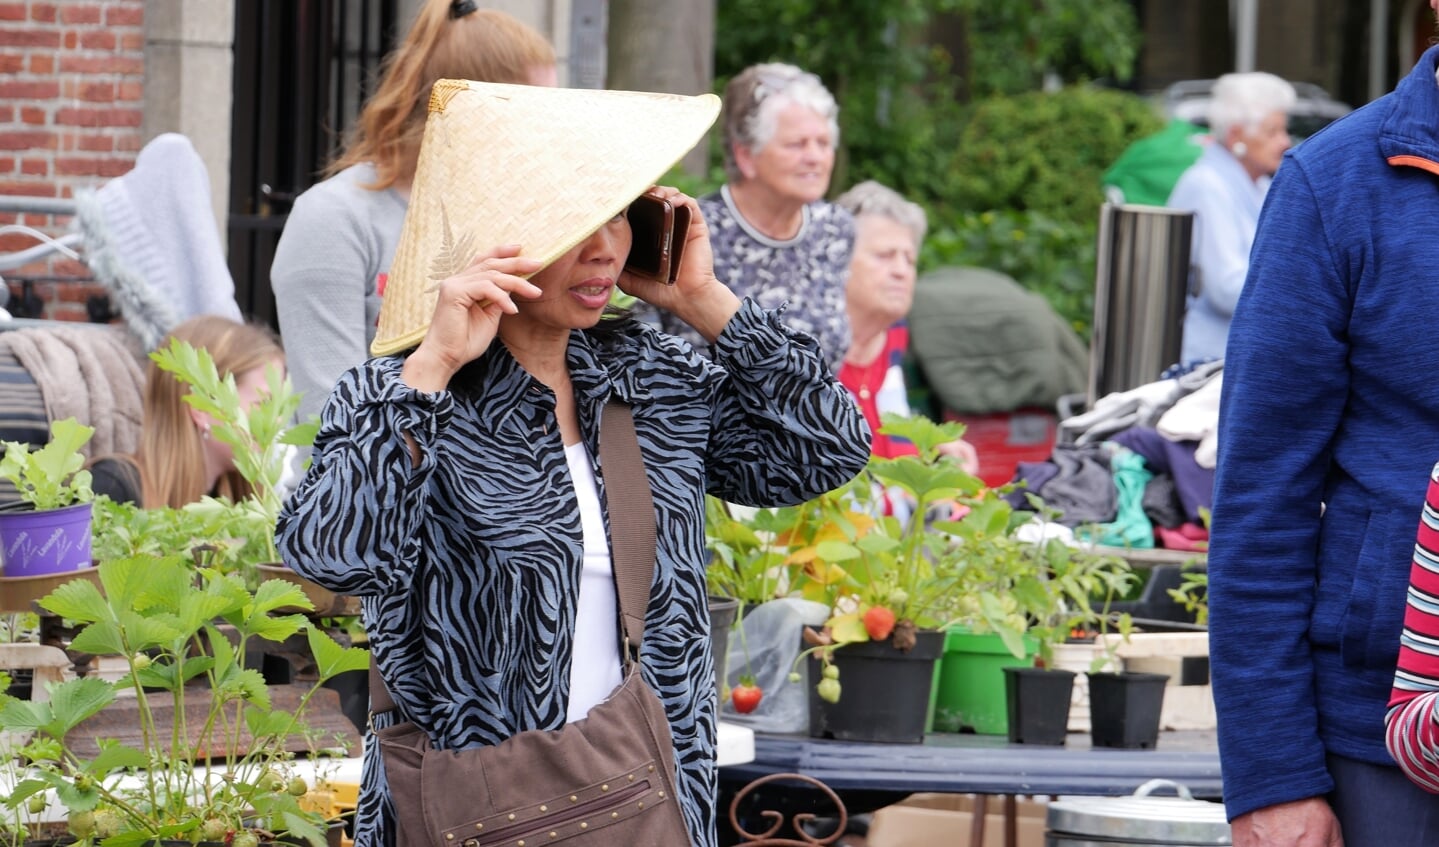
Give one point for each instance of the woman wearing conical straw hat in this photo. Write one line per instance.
(455, 484)
(335, 253)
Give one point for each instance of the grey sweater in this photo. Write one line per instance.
(337, 246)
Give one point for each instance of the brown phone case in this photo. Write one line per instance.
(658, 231)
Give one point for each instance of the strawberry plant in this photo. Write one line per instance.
(887, 579)
(227, 775)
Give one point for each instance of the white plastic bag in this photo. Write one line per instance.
(770, 634)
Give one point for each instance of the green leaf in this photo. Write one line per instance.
(143, 630)
(77, 600)
(74, 700)
(127, 580)
(115, 757)
(76, 799)
(24, 714)
(24, 790)
(275, 594)
(255, 691)
(877, 543)
(100, 639)
(837, 551)
(304, 827)
(193, 666)
(330, 658)
(269, 724)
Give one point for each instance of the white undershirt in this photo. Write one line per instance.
(595, 667)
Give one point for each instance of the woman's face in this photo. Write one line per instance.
(882, 269)
(1265, 145)
(577, 286)
(547, 76)
(797, 162)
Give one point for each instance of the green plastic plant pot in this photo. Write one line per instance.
(969, 692)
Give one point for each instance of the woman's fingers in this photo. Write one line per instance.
(491, 285)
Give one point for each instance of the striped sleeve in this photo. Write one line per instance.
(1412, 722)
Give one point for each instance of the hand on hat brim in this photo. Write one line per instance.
(697, 297)
(467, 315)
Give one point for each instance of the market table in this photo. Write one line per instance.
(868, 776)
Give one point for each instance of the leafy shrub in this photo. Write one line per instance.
(1052, 257)
(1045, 152)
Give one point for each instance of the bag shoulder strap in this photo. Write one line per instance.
(632, 534)
(632, 519)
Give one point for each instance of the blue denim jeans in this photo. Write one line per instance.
(1378, 806)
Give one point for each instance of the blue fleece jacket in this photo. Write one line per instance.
(1328, 427)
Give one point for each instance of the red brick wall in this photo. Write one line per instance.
(72, 78)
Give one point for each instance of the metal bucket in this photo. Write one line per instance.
(1138, 820)
(1141, 282)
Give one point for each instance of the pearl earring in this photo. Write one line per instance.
(205, 432)
(1239, 149)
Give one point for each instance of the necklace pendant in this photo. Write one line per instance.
(864, 393)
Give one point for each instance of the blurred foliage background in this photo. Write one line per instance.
(997, 116)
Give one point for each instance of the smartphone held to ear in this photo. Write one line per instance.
(658, 228)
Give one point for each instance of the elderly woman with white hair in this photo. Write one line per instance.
(888, 233)
(1225, 188)
(774, 237)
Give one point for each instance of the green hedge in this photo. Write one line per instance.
(1045, 152)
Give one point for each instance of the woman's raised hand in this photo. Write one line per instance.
(467, 315)
(697, 297)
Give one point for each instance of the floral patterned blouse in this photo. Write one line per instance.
(808, 272)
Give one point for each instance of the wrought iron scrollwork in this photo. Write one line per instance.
(766, 838)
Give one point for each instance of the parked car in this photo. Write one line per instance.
(1189, 100)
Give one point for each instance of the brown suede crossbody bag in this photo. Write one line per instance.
(604, 781)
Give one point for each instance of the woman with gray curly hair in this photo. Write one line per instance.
(1225, 188)
(775, 238)
(888, 233)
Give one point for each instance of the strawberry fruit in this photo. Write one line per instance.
(878, 622)
(746, 695)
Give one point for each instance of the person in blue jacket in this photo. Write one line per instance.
(1328, 427)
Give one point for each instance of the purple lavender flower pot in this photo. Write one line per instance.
(49, 542)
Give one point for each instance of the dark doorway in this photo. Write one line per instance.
(302, 69)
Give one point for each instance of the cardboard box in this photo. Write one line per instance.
(943, 820)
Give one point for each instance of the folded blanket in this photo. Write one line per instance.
(90, 372)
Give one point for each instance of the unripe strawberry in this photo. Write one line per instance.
(108, 823)
(829, 690)
(214, 829)
(245, 838)
(82, 824)
(296, 787)
(36, 804)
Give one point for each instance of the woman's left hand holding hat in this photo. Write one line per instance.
(697, 297)
(467, 315)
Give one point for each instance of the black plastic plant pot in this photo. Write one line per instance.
(1037, 702)
(1124, 709)
(884, 695)
(722, 618)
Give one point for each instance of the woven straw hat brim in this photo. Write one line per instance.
(516, 164)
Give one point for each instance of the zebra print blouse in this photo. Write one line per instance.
(469, 565)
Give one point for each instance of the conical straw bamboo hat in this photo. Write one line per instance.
(518, 164)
